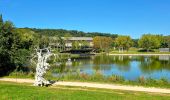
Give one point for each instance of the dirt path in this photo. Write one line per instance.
(95, 85)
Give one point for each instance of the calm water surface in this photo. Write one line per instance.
(130, 67)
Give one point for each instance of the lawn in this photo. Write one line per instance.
(15, 91)
(136, 51)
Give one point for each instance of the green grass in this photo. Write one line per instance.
(14, 91)
(135, 52)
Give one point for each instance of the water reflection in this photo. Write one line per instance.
(130, 67)
(154, 63)
(165, 58)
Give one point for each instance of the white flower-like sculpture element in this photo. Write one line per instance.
(42, 66)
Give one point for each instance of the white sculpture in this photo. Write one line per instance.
(42, 66)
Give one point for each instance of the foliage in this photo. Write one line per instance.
(68, 33)
(80, 45)
(76, 45)
(166, 42)
(102, 43)
(124, 42)
(15, 45)
(148, 41)
(135, 43)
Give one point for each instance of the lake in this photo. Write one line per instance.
(130, 67)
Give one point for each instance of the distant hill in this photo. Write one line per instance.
(74, 33)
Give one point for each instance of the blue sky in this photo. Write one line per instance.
(124, 17)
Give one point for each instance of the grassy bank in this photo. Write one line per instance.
(138, 51)
(135, 52)
(98, 77)
(114, 79)
(14, 91)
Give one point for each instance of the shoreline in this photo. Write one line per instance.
(139, 54)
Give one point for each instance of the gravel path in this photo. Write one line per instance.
(96, 85)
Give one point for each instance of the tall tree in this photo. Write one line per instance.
(123, 42)
(7, 40)
(168, 41)
(149, 41)
(102, 43)
(165, 43)
(12, 46)
(1, 21)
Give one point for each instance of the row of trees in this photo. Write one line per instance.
(147, 42)
(15, 46)
(69, 33)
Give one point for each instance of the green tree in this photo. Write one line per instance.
(14, 46)
(66, 38)
(61, 44)
(123, 42)
(148, 41)
(75, 45)
(166, 42)
(103, 43)
(84, 44)
(6, 45)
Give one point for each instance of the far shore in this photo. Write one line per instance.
(124, 54)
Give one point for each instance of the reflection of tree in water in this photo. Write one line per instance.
(105, 62)
(72, 66)
(147, 64)
(152, 63)
(102, 63)
(122, 62)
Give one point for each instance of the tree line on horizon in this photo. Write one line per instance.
(71, 33)
(146, 43)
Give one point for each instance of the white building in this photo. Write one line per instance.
(69, 40)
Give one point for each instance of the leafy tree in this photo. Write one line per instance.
(166, 42)
(123, 42)
(135, 43)
(22, 47)
(84, 44)
(1, 21)
(102, 43)
(76, 45)
(148, 41)
(61, 44)
(6, 41)
(14, 46)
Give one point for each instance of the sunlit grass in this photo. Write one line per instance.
(14, 91)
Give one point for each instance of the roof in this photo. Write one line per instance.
(78, 38)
